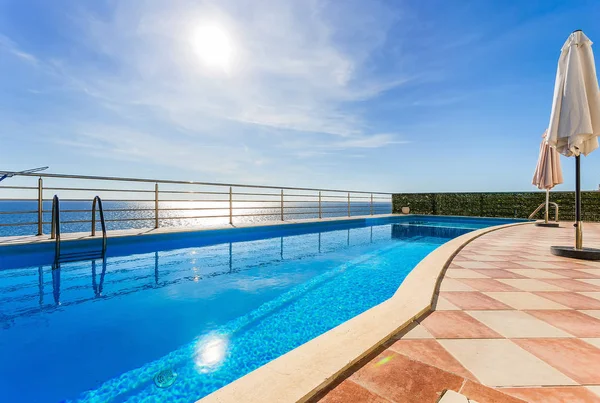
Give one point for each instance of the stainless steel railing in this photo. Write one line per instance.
(155, 203)
(98, 202)
(55, 233)
(56, 226)
(541, 206)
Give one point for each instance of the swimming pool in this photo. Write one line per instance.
(209, 310)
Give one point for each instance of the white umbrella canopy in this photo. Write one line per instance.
(575, 117)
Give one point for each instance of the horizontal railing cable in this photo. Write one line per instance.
(167, 201)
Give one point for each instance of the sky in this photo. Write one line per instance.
(398, 96)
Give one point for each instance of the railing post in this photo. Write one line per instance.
(320, 211)
(348, 204)
(40, 207)
(230, 205)
(281, 204)
(371, 203)
(155, 205)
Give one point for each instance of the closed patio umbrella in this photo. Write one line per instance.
(547, 172)
(5, 174)
(575, 120)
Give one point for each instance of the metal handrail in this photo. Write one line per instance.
(542, 206)
(55, 226)
(285, 202)
(102, 222)
(112, 178)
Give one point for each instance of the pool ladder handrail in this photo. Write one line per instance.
(542, 206)
(55, 233)
(102, 222)
(55, 226)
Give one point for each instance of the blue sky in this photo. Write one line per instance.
(374, 95)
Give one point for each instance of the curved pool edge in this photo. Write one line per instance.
(302, 373)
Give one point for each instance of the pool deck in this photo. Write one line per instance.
(511, 323)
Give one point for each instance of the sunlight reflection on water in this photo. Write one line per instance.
(140, 214)
(210, 352)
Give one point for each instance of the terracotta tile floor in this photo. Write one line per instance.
(512, 323)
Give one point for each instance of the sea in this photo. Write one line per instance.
(19, 218)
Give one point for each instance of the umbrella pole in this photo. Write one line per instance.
(578, 226)
(547, 205)
(577, 252)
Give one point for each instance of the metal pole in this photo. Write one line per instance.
(40, 207)
(547, 205)
(156, 205)
(230, 205)
(578, 223)
(281, 204)
(348, 204)
(371, 203)
(320, 211)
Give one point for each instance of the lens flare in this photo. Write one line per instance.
(383, 361)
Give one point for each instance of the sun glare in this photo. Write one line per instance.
(214, 46)
(210, 352)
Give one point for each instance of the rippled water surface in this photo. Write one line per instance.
(100, 331)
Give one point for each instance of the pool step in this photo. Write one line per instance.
(77, 256)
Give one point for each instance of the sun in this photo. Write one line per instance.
(214, 46)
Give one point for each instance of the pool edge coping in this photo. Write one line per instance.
(13, 240)
(71, 237)
(44, 247)
(300, 374)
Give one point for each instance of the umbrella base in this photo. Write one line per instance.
(546, 224)
(571, 252)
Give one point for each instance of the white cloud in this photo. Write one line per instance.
(146, 147)
(373, 141)
(11, 47)
(291, 73)
(302, 71)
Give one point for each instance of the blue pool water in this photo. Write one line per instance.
(100, 331)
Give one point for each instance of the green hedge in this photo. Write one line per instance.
(513, 204)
